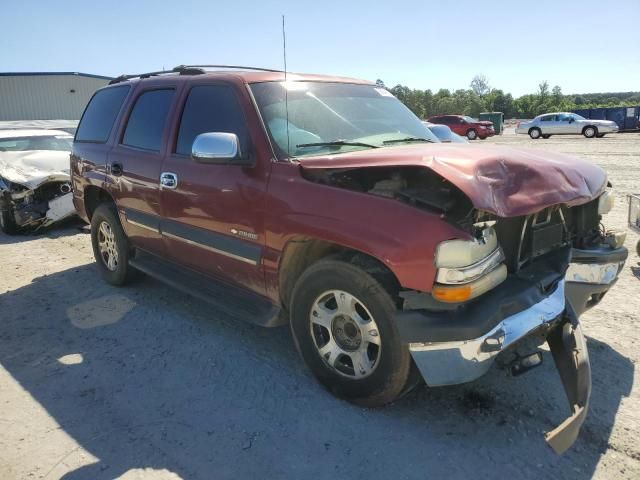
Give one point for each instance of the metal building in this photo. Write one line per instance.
(46, 95)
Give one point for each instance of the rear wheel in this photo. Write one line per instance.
(535, 133)
(472, 134)
(342, 324)
(590, 132)
(111, 247)
(8, 222)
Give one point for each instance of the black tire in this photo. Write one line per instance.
(472, 134)
(8, 222)
(123, 272)
(546, 136)
(638, 248)
(393, 372)
(590, 131)
(535, 133)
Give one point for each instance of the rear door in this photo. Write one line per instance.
(549, 125)
(134, 165)
(213, 215)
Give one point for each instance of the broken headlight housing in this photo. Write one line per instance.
(468, 268)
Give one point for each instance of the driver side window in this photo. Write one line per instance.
(211, 108)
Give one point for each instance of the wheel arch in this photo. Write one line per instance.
(94, 196)
(300, 253)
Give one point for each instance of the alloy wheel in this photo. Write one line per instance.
(107, 246)
(345, 334)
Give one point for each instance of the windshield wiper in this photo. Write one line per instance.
(408, 139)
(336, 143)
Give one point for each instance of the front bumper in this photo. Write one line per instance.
(591, 274)
(460, 361)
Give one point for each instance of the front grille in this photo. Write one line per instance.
(524, 239)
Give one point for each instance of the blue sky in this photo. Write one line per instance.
(583, 46)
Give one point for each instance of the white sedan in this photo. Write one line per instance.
(564, 123)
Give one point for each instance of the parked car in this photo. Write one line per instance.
(35, 186)
(565, 123)
(444, 133)
(465, 126)
(324, 204)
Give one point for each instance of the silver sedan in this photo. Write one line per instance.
(564, 123)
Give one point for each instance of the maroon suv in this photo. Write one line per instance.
(325, 204)
(465, 126)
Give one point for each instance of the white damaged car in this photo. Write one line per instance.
(35, 187)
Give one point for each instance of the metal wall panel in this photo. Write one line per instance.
(46, 96)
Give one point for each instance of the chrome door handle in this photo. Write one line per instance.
(168, 180)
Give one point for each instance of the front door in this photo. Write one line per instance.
(134, 166)
(213, 214)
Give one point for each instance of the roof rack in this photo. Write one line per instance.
(188, 70)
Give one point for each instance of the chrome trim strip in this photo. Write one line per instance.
(211, 249)
(141, 225)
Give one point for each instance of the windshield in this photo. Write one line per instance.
(577, 117)
(21, 144)
(469, 119)
(328, 118)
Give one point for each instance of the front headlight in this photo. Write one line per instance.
(468, 268)
(606, 202)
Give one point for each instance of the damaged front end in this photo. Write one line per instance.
(35, 190)
(22, 208)
(534, 258)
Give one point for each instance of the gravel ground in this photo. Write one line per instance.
(145, 382)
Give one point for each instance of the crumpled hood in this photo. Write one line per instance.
(34, 167)
(505, 181)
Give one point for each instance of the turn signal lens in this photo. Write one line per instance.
(452, 294)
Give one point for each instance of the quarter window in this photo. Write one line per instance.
(211, 108)
(147, 120)
(100, 114)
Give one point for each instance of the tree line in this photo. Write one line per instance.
(481, 97)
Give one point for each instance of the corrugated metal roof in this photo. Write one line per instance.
(46, 96)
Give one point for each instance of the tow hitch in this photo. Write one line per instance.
(569, 350)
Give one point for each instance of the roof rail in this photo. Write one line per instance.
(188, 70)
(181, 70)
(233, 67)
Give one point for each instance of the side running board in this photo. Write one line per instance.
(240, 304)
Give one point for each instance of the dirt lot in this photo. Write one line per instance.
(145, 382)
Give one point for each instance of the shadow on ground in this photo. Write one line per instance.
(163, 382)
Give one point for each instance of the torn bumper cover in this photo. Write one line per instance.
(461, 360)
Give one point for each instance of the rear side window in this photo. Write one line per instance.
(548, 118)
(211, 108)
(147, 120)
(101, 112)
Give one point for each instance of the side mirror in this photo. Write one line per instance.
(218, 148)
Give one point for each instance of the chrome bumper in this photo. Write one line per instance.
(454, 362)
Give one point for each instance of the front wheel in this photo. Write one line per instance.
(111, 247)
(590, 132)
(343, 327)
(472, 134)
(535, 133)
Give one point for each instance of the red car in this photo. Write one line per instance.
(465, 126)
(324, 204)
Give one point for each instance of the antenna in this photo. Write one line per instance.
(286, 91)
